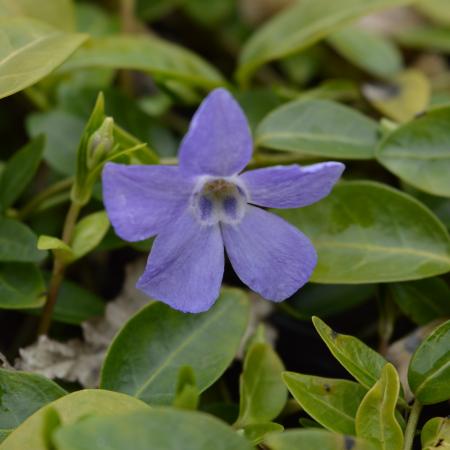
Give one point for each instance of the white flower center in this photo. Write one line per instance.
(219, 200)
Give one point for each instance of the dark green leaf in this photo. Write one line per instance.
(419, 152)
(375, 419)
(360, 360)
(164, 340)
(423, 300)
(18, 243)
(21, 286)
(319, 127)
(21, 394)
(333, 403)
(367, 232)
(429, 369)
(426, 37)
(19, 171)
(157, 428)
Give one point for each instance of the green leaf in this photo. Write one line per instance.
(423, 300)
(326, 300)
(56, 245)
(436, 434)
(29, 51)
(301, 26)
(375, 419)
(314, 439)
(425, 37)
(256, 433)
(22, 394)
(18, 243)
(368, 51)
(157, 428)
(429, 369)
(58, 13)
(402, 98)
(331, 402)
(70, 408)
(21, 286)
(320, 128)
(88, 233)
(366, 232)
(360, 360)
(187, 393)
(419, 152)
(75, 304)
(62, 131)
(262, 392)
(19, 171)
(149, 54)
(164, 340)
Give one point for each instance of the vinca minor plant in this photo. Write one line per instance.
(224, 225)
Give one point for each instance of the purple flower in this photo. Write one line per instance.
(206, 204)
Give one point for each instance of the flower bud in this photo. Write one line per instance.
(100, 143)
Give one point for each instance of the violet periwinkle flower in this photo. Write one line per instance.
(206, 203)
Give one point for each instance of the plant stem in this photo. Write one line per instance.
(412, 425)
(36, 201)
(59, 268)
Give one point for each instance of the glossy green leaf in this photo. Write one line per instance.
(360, 360)
(375, 419)
(423, 300)
(19, 171)
(331, 402)
(149, 54)
(164, 340)
(88, 233)
(157, 428)
(70, 408)
(21, 286)
(368, 51)
(436, 434)
(57, 245)
(429, 369)
(18, 243)
(58, 13)
(367, 232)
(326, 300)
(436, 10)
(262, 392)
(402, 98)
(315, 439)
(300, 26)
(21, 394)
(319, 127)
(419, 152)
(62, 131)
(30, 50)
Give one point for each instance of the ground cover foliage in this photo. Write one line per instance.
(358, 358)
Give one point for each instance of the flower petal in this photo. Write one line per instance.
(219, 141)
(291, 186)
(185, 267)
(142, 200)
(268, 254)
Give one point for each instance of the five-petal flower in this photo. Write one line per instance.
(205, 204)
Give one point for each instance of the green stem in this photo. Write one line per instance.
(59, 268)
(411, 426)
(36, 201)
